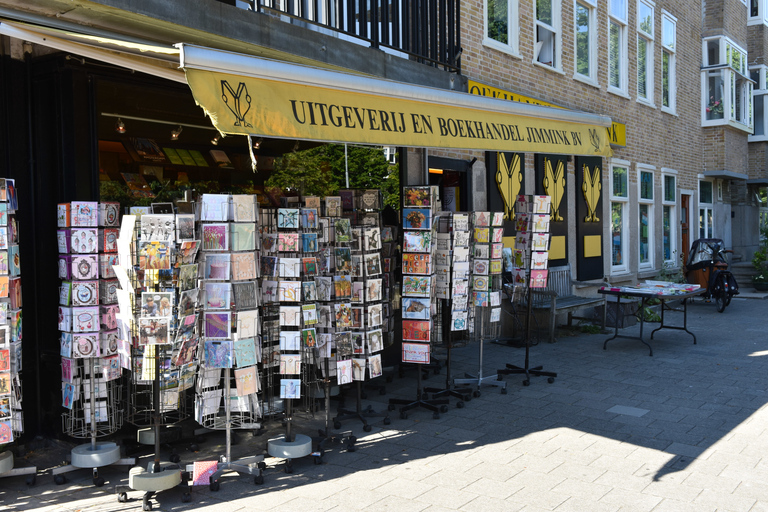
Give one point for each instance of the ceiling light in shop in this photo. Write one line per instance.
(120, 126)
(215, 140)
(175, 133)
(257, 144)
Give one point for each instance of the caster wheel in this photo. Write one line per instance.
(503, 391)
(98, 481)
(146, 506)
(435, 415)
(258, 479)
(476, 393)
(443, 408)
(317, 460)
(262, 465)
(351, 448)
(390, 407)
(551, 380)
(174, 458)
(122, 497)
(59, 479)
(526, 382)
(459, 404)
(382, 390)
(352, 439)
(387, 421)
(186, 497)
(214, 486)
(288, 469)
(31, 480)
(194, 448)
(403, 416)
(366, 428)
(363, 395)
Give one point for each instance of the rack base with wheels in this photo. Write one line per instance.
(157, 477)
(359, 413)
(282, 448)
(92, 455)
(251, 466)
(7, 469)
(436, 406)
(326, 436)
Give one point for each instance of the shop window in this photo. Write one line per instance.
(645, 219)
(547, 33)
(645, 31)
(501, 25)
(705, 209)
(726, 88)
(586, 42)
(617, 47)
(668, 63)
(619, 218)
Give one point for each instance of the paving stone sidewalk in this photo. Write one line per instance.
(686, 429)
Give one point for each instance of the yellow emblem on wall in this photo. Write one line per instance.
(591, 188)
(508, 180)
(554, 186)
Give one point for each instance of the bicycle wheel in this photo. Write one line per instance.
(721, 299)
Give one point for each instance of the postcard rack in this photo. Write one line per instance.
(451, 289)
(229, 384)
(487, 232)
(11, 413)
(91, 370)
(530, 258)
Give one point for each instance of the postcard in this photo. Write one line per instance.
(290, 388)
(333, 206)
(245, 295)
(308, 218)
(289, 267)
(248, 324)
(417, 264)
(480, 267)
(541, 204)
(324, 288)
(218, 354)
(215, 237)
(288, 218)
(539, 278)
(309, 266)
(246, 381)
(416, 353)
(417, 241)
(375, 315)
(342, 286)
(344, 372)
(417, 218)
(217, 324)
(243, 236)
(481, 219)
(218, 295)
(215, 207)
(417, 196)
(343, 315)
(309, 313)
(290, 341)
(244, 208)
(288, 242)
(417, 286)
(372, 264)
(289, 291)
(459, 320)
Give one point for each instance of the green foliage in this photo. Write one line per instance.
(589, 329)
(761, 257)
(322, 171)
(671, 273)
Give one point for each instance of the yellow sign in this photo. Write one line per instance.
(593, 246)
(247, 105)
(617, 133)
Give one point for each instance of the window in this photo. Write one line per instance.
(586, 33)
(547, 33)
(617, 46)
(668, 63)
(758, 14)
(619, 218)
(669, 217)
(645, 219)
(501, 27)
(759, 75)
(645, 51)
(705, 209)
(726, 89)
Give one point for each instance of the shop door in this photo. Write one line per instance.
(685, 219)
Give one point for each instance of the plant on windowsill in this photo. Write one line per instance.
(715, 108)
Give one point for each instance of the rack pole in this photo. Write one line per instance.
(93, 403)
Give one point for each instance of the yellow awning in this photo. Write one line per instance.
(255, 96)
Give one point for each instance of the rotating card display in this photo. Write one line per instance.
(87, 237)
(530, 258)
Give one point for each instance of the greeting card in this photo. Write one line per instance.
(218, 354)
(417, 264)
(244, 207)
(416, 308)
(416, 353)
(344, 372)
(215, 237)
(243, 266)
(246, 381)
(417, 218)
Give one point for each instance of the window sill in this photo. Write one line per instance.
(757, 138)
(586, 80)
(646, 103)
(547, 67)
(619, 92)
(501, 47)
(646, 273)
(620, 276)
(669, 111)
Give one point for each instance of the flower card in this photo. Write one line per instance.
(417, 196)
(309, 313)
(417, 330)
(246, 381)
(215, 237)
(288, 242)
(417, 218)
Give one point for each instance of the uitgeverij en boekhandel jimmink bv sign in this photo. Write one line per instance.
(248, 105)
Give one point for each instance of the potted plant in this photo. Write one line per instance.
(760, 262)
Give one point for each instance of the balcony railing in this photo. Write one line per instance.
(423, 30)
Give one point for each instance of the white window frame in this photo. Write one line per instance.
(620, 20)
(669, 49)
(512, 47)
(624, 200)
(673, 261)
(702, 206)
(759, 75)
(761, 18)
(644, 168)
(591, 76)
(556, 29)
(731, 66)
(648, 38)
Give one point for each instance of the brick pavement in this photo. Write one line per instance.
(618, 430)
